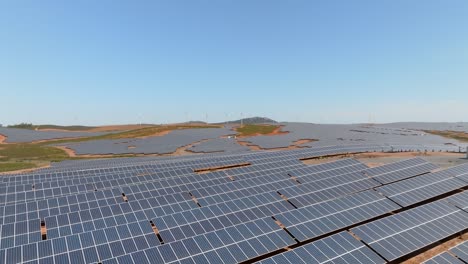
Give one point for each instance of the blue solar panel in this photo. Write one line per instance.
(461, 251)
(106, 213)
(414, 190)
(443, 258)
(339, 248)
(395, 236)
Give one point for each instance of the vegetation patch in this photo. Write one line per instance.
(458, 135)
(29, 151)
(34, 127)
(18, 156)
(255, 130)
(135, 133)
(28, 155)
(12, 166)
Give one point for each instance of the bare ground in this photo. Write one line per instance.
(2, 139)
(159, 134)
(70, 152)
(442, 159)
(179, 152)
(437, 250)
(374, 159)
(184, 150)
(295, 145)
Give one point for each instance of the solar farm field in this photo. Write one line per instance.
(245, 207)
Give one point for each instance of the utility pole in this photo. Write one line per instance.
(242, 120)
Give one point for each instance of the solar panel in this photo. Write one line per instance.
(395, 236)
(459, 200)
(461, 251)
(400, 170)
(414, 190)
(319, 219)
(154, 211)
(443, 258)
(339, 248)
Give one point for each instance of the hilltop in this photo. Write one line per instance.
(252, 120)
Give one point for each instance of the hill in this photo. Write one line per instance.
(253, 120)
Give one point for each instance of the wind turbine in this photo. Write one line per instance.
(242, 119)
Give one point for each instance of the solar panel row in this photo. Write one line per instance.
(339, 248)
(396, 236)
(417, 189)
(105, 213)
(169, 214)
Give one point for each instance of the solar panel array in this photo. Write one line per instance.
(444, 258)
(456, 254)
(401, 234)
(461, 251)
(179, 211)
(339, 248)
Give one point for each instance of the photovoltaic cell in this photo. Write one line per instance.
(443, 258)
(417, 189)
(461, 251)
(403, 233)
(339, 248)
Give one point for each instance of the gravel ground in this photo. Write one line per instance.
(442, 161)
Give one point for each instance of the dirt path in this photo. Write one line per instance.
(179, 152)
(295, 145)
(405, 154)
(70, 152)
(374, 159)
(158, 134)
(184, 150)
(437, 250)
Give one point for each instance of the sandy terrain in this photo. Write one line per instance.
(437, 250)
(374, 159)
(69, 152)
(179, 152)
(303, 141)
(184, 150)
(248, 144)
(442, 159)
(159, 134)
(295, 145)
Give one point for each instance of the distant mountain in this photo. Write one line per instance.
(252, 120)
(195, 122)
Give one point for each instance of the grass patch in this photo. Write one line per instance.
(34, 127)
(20, 156)
(460, 136)
(29, 151)
(135, 133)
(28, 155)
(251, 130)
(12, 166)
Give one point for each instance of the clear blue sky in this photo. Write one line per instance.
(106, 62)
